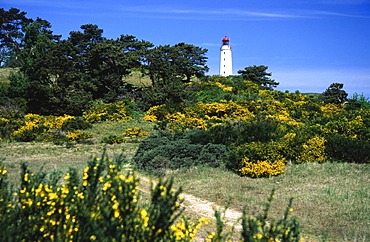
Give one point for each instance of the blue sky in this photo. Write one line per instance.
(306, 44)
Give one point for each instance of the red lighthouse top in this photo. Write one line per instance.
(225, 41)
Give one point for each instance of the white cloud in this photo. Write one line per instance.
(234, 14)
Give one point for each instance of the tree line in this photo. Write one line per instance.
(65, 76)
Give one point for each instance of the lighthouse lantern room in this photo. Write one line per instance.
(226, 66)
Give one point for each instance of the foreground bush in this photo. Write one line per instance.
(105, 206)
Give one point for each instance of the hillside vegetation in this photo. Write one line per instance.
(309, 149)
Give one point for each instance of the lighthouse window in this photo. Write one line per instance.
(224, 59)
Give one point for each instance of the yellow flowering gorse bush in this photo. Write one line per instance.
(107, 112)
(135, 132)
(103, 206)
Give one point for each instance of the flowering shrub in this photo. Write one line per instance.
(156, 113)
(54, 122)
(257, 159)
(114, 139)
(331, 109)
(262, 168)
(135, 132)
(313, 150)
(200, 115)
(107, 112)
(29, 132)
(51, 129)
(78, 135)
(8, 125)
(131, 133)
(104, 205)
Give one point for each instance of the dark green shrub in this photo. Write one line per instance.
(7, 127)
(165, 150)
(213, 155)
(259, 131)
(57, 136)
(172, 94)
(75, 124)
(199, 136)
(238, 132)
(114, 139)
(11, 114)
(348, 149)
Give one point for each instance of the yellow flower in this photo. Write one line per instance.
(52, 196)
(116, 213)
(106, 186)
(115, 205)
(258, 236)
(67, 176)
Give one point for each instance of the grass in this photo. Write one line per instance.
(58, 157)
(5, 72)
(101, 130)
(331, 199)
(137, 79)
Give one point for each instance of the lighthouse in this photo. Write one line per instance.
(226, 65)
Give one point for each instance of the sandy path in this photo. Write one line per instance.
(206, 209)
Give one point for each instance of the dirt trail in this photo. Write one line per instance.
(206, 209)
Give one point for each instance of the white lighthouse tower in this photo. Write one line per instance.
(226, 64)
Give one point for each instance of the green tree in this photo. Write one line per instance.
(258, 75)
(182, 61)
(110, 60)
(12, 23)
(65, 76)
(38, 40)
(334, 94)
(358, 101)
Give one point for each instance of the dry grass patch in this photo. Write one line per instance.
(49, 157)
(331, 199)
(5, 72)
